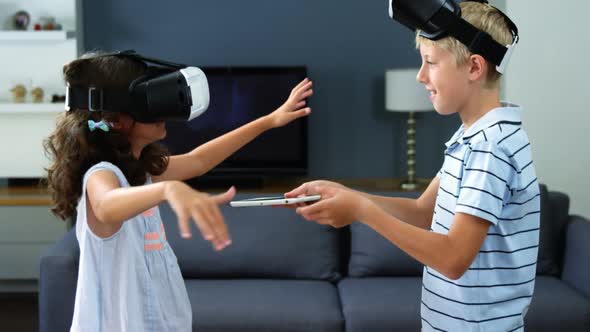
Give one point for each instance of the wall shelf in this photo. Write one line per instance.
(30, 108)
(36, 36)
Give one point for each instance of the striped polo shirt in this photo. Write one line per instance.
(487, 172)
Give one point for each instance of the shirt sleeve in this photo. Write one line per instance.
(486, 183)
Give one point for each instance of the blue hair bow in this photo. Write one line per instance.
(100, 125)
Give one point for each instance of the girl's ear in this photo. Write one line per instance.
(124, 123)
(478, 67)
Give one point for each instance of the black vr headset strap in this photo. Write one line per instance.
(477, 41)
(136, 56)
(98, 99)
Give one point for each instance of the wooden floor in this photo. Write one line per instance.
(19, 312)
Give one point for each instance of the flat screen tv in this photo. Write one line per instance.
(238, 96)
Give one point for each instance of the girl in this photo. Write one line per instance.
(128, 278)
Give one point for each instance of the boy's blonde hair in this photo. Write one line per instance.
(484, 17)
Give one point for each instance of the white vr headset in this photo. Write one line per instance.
(166, 92)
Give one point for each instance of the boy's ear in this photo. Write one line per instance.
(478, 67)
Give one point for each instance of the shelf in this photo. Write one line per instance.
(36, 36)
(30, 108)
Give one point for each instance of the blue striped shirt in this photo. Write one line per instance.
(487, 172)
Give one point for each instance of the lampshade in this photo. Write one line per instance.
(403, 93)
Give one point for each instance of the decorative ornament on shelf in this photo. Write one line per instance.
(21, 20)
(47, 23)
(37, 94)
(19, 92)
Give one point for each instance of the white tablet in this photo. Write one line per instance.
(279, 200)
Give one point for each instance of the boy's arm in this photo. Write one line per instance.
(202, 159)
(449, 254)
(417, 212)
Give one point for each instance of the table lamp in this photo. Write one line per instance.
(404, 94)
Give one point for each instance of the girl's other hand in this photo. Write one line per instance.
(294, 107)
(188, 203)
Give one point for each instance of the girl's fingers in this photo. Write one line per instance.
(304, 81)
(219, 228)
(203, 226)
(300, 104)
(225, 197)
(304, 88)
(300, 113)
(183, 224)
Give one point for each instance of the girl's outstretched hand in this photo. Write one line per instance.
(188, 204)
(294, 107)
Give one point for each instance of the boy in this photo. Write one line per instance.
(476, 227)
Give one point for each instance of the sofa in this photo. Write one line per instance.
(283, 273)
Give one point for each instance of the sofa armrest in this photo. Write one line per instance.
(576, 270)
(58, 276)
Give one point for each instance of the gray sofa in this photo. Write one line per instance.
(283, 273)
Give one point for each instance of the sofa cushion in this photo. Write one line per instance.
(554, 216)
(264, 305)
(372, 255)
(267, 242)
(381, 304)
(557, 307)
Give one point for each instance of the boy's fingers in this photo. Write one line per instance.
(297, 191)
(318, 207)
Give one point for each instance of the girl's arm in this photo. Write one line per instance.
(202, 159)
(112, 204)
(109, 205)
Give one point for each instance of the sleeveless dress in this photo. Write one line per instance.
(129, 281)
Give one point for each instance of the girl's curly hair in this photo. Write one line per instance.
(73, 148)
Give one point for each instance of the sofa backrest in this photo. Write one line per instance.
(277, 243)
(371, 255)
(267, 242)
(554, 217)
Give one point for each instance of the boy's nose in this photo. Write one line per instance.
(421, 77)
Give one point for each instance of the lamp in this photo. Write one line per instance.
(404, 94)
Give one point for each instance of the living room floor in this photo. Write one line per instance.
(19, 312)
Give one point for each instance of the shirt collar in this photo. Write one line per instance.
(506, 113)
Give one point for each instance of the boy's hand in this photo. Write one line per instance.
(338, 207)
(308, 189)
(203, 209)
(294, 107)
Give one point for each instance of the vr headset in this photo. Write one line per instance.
(437, 19)
(168, 91)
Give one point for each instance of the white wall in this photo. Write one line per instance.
(549, 75)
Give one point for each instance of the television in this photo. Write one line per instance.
(239, 95)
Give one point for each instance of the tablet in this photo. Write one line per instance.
(278, 200)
